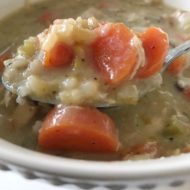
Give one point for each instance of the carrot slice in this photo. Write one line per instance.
(4, 56)
(177, 65)
(113, 53)
(60, 55)
(156, 44)
(78, 129)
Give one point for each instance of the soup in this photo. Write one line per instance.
(158, 125)
(68, 63)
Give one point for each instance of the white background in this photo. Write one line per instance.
(13, 181)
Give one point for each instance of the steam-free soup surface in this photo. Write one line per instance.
(159, 125)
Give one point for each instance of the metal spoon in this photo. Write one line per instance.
(172, 54)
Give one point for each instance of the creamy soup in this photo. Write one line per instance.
(158, 125)
(68, 63)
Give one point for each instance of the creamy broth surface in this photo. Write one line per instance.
(159, 125)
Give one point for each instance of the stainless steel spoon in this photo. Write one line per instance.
(172, 54)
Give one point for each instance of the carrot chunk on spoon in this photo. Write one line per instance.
(113, 53)
(177, 65)
(59, 55)
(156, 44)
(77, 128)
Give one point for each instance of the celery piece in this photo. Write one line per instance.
(176, 126)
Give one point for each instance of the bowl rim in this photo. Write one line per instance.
(12, 154)
(94, 170)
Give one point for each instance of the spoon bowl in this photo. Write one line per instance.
(176, 52)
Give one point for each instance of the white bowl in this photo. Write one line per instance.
(180, 4)
(173, 171)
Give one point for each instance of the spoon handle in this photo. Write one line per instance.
(176, 52)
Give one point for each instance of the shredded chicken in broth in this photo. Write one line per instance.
(158, 125)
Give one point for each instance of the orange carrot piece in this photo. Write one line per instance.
(4, 56)
(77, 128)
(60, 55)
(113, 53)
(156, 44)
(177, 65)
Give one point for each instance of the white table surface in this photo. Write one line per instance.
(13, 181)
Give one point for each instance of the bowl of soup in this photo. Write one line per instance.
(142, 142)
